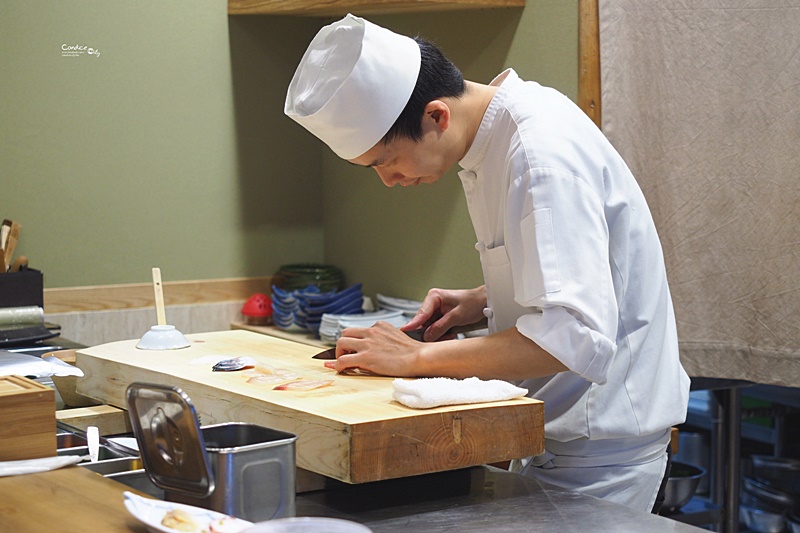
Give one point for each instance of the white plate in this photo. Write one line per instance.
(151, 512)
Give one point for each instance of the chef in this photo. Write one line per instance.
(575, 290)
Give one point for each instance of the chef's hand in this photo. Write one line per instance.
(381, 349)
(443, 309)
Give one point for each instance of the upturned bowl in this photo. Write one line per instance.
(163, 338)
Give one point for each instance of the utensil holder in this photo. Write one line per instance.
(22, 289)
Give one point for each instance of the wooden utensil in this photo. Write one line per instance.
(11, 241)
(161, 315)
(4, 231)
(20, 263)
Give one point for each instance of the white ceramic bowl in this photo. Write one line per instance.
(163, 338)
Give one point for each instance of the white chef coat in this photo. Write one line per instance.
(571, 258)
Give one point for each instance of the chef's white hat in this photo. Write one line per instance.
(352, 84)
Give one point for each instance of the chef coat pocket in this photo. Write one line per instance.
(502, 307)
(540, 274)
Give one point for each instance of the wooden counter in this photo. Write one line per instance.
(76, 500)
(351, 431)
(67, 500)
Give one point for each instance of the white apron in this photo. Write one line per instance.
(628, 473)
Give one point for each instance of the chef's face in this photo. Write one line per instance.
(406, 162)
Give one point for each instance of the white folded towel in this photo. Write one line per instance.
(32, 466)
(432, 392)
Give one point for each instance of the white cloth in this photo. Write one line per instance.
(21, 364)
(32, 466)
(426, 393)
(571, 258)
(332, 93)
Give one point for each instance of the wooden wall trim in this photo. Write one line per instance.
(139, 295)
(589, 59)
(339, 8)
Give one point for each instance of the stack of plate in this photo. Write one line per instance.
(302, 309)
(300, 275)
(332, 324)
(408, 307)
(287, 313)
(348, 301)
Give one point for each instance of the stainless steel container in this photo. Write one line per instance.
(693, 450)
(760, 521)
(239, 469)
(253, 469)
(793, 522)
(681, 485)
(779, 472)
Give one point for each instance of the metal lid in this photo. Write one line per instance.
(170, 440)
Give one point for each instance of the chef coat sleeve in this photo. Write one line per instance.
(558, 244)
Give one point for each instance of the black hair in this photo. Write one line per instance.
(438, 78)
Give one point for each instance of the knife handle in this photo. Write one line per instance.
(20, 263)
(455, 330)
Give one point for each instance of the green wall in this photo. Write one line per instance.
(170, 149)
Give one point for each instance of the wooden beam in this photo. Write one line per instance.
(589, 60)
(337, 8)
(140, 295)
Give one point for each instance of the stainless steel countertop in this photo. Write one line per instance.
(478, 499)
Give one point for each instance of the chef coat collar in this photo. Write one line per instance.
(475, 154)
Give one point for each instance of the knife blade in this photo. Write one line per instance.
(416, 334)
(330, 353)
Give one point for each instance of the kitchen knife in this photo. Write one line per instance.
(416, 334)
(330, 353)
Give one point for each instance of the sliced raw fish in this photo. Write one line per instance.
(305, 384)
(265, 368)
(264, 379)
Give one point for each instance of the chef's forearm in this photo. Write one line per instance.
(505, 355)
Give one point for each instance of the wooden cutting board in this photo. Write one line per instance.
(351, 431)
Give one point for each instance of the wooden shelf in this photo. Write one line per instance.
(274, 331)
(333, 8)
